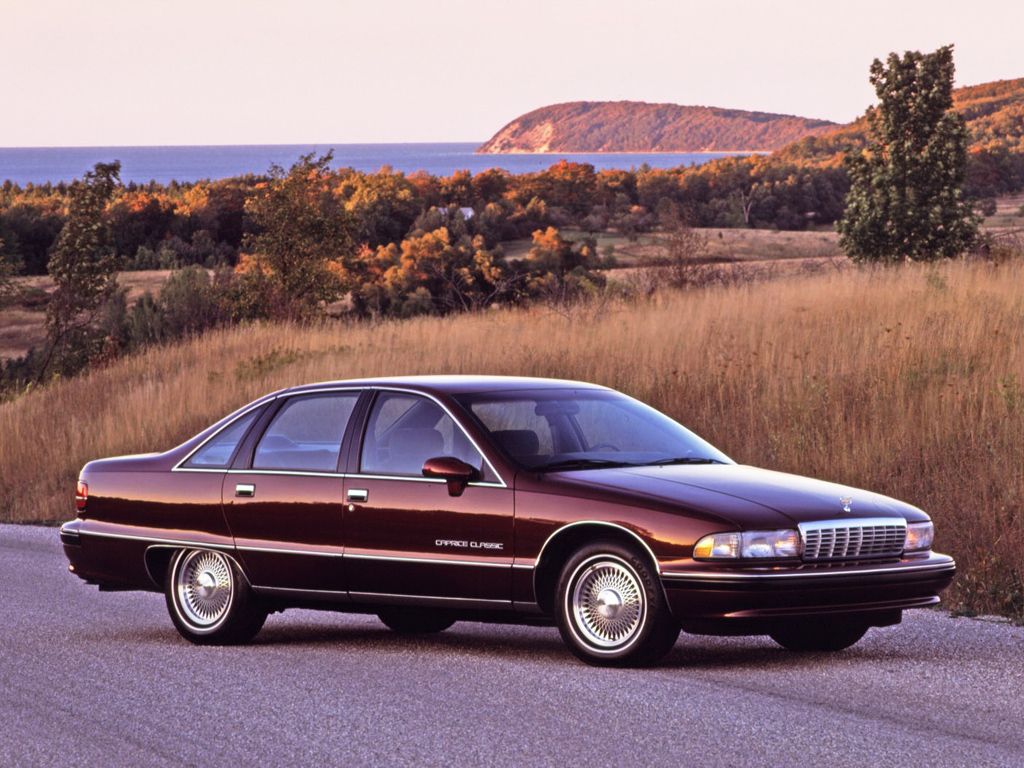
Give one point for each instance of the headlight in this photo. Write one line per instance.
(919, 537)
(749, 544)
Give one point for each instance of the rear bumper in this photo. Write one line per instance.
(746, 599)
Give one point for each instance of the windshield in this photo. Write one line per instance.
(584, 428)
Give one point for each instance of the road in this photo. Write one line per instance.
(103, 679)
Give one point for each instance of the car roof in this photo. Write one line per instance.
(453, 384)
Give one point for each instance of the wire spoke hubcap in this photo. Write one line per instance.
(203, 585)
(608, 604)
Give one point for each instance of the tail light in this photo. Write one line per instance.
(81, 495)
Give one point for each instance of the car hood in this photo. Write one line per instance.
(746, 496)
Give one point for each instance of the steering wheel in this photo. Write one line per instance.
(609, 446)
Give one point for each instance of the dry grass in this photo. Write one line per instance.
(909, 382)
(24, 327)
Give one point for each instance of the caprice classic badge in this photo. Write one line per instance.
(429, 500)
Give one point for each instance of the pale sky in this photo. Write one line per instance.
(138, 72)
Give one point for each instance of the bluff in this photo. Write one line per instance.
(636, 126)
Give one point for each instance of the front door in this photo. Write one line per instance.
(286, 508)
(407, 537)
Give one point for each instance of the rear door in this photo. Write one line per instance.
(285, 505)
(408, 539)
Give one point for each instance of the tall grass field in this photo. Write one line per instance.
(908, 381)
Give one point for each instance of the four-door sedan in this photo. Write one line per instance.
(428, 500)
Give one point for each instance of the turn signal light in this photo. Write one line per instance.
(81, 495)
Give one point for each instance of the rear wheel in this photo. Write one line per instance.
(209, 599)
(415, 621)
(611, 607)
(819, 634)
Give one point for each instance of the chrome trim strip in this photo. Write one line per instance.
(315, 552)
(298, 472)
(296, 590)
(340, 475)
(427, 560)
(500, 484)
(807, 574)
(852, 522)
(643, 543)
(431, 597)
(156, 539)
(526, 566)
(160, 585)
(281, 551)
(540, 555)
(413, 479)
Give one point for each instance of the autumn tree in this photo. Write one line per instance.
(83, 267)
(560, 270)
(435, 272)
(905, 201)
(383, 204)
(300, 229)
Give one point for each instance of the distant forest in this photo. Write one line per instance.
(798, 187)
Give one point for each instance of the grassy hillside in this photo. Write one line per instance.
(636, 126)
(909, 382)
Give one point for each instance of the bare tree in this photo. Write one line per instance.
(684, 261)
(746, 197)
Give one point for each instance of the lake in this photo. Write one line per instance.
(163, 164)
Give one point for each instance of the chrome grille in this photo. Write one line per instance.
(853, 539)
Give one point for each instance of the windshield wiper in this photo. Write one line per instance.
(580, 464)
(682, 460)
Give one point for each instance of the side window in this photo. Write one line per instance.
(405, 430)
(219, 450)
(516, 427)
(306, 433)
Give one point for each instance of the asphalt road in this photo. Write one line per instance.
(103, 679)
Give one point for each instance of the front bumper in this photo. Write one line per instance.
(708, 597)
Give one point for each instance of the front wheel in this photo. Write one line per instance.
(209, 599)
(819, 634)
(612, 609)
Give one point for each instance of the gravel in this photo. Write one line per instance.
(90, 678)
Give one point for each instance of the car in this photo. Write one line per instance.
(428, 500)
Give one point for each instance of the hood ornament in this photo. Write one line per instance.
(846, 501)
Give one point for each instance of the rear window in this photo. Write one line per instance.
(220, 449)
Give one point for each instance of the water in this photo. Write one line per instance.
(163, 164)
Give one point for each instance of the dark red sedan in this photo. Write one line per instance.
(429, 500)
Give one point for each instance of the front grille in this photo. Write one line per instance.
(853, 539)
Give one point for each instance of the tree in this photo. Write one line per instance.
(685, 260)
(905, 201)
(301, 228)
(561, 270)
(83, 266)
(435, 272)
(383, 204)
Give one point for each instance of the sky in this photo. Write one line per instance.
(173, 72)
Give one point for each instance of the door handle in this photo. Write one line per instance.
(245, 489)
(357, 494)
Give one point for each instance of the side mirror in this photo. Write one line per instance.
(456, 472)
